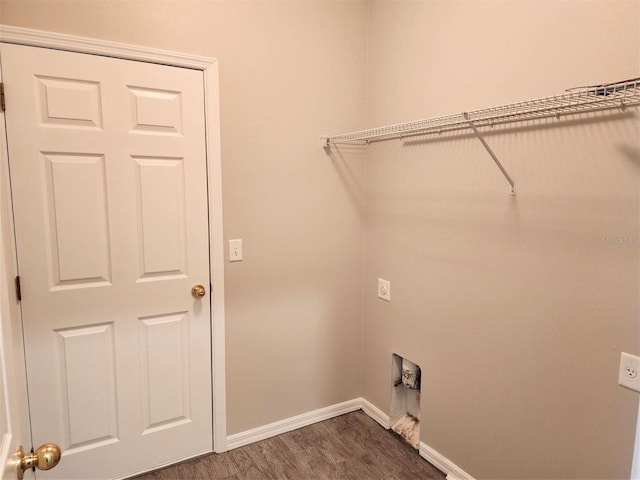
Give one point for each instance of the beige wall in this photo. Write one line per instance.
(516, 308)
(289, 72)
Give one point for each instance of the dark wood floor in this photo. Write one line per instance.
(351, 446)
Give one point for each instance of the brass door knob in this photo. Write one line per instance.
(45, 457)
(198, 291)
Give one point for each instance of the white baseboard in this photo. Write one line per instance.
(293, 423)
(453, 471)
(375, 413)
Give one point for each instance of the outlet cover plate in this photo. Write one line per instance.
(384, 289)
(235, 250)
(629, 374)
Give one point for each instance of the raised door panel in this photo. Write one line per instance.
(88, 369)
(69, 102)
(156, 111)
(78, 220)
(166, 382)
(161, 217)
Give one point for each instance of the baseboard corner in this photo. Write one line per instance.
(375, 413)
(453, 471)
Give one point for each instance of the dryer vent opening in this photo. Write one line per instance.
(405, 399)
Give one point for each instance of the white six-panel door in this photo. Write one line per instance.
(109, 183)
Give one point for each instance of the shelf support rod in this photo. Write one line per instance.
(493, 155)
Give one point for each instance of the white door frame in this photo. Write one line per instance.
(209, 68)
(635, 467)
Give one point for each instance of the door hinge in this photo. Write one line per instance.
(18, 290)
(2, 104)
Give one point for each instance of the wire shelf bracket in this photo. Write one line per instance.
(580, 100)
(493, 155)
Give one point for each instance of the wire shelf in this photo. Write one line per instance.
(576, 101)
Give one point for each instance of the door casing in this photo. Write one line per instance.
(209, 67)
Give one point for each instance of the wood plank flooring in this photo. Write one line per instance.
(349, 447)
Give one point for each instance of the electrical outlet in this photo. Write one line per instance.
(384, 289)
(629, 375)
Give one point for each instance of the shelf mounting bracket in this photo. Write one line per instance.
(493, 155)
